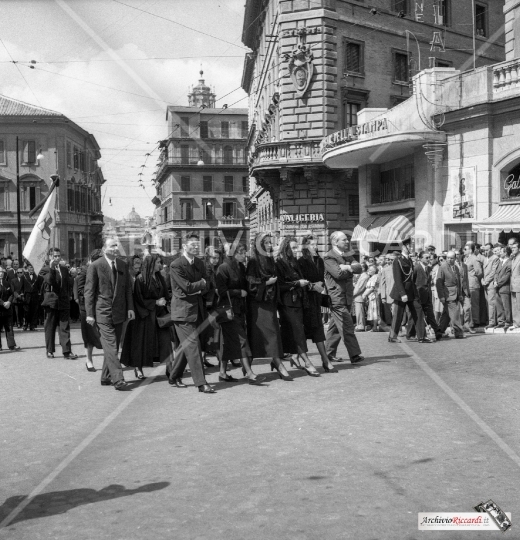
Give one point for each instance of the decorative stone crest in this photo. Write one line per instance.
(311, 178)
(287, 182)
(301, 67)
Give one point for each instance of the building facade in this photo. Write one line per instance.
(315, 66)
(49, 143)
(202, 177)
(129, 231)
(444, 166)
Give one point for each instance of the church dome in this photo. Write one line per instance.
(201, 95)
(133, 215)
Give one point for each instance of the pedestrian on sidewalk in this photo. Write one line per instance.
(6, 299)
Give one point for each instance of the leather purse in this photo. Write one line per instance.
(224, 314)
(50, 299)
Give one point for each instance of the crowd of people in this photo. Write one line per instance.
(242, 304)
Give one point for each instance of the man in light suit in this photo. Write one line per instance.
(108, 303)
(449, 290)
(189, 315)
(491, 262)
(339, 269)
(515, 281)
(387, 282)
(502, 286)
(475, 275)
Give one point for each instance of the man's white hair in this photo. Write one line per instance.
(335, 236)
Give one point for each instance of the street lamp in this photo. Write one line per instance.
(18, 213)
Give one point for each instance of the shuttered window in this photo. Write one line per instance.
(401, 72)
(353, 55)
(228, 183)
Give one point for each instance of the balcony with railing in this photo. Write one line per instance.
(229, 221)
(205, 160)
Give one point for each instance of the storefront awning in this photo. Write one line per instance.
(506, 218)
(387, 229)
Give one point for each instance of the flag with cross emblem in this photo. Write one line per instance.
(37, 246)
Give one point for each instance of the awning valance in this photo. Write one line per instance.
(506, 218)
(386, 229)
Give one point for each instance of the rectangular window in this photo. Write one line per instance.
(70, 197)
(29, 152)
(401, 71)
(350, 111)
(3, 158)
(400, 5)
(444, 12)
(30, 201)
(394, 185)
(185, 183)
(77, 201)
(354, 58)
(244, 129)
(481, 20)
(81, 160)
(228, 183)
(207, 184)
(208, 207)
(353, 205)
(224, 130)
(204, 132)
(185, 154)
(186, 210)
(165, 214)
(2, 199)
(245, 184)
(69, 154)
(185, 126)
(442, 63)
(76, 158)
(229, 209)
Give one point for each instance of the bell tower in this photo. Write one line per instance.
(201, 95)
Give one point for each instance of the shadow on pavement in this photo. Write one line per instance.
(59, 502)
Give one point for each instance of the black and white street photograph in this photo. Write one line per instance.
(259, 269)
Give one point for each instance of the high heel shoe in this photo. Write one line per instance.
(294, 364)
(90, 368)
(311, 373)
(139, 374)
(329, 370)
(281, 375)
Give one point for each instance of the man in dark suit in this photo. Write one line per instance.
(423, 296)
(339, 269)
(502, 284)
(108, 303)
(57, 314)
(18, 301)
(403, 293)
(449, 289)
(189, 315)
(32, 285)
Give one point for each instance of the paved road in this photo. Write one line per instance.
(354, 455)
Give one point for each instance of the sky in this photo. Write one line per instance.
(113, 66)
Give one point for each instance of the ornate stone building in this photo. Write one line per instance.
(49, 143)
(316, 64)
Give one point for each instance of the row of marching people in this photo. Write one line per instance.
(267, 309)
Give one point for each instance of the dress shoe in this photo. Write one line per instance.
(256, 381)
(394, 340)
(310, 371)
(71, 356)
(425, 340)
(336, 359)
(472, 331)
(14, 348)
(50, 355)
(281, 375)
(178, 383)
(121, 385)
(229, 378)
(208, 364)
(139, 374)
(412, 339)
(90, 368)
(330, 369)
(460, 337)
(501, 325)
(106, 382)
(206, 389)
(356, 359)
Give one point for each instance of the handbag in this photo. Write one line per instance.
(50, 299)
(165, 320)
(224, 314)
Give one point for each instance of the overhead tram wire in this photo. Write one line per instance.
(33, 62)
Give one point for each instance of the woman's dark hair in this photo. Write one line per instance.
(265, 260)
(285, 252)
(507, 250)
(306, 240)
(211, 251)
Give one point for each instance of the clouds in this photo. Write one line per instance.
(109, 86)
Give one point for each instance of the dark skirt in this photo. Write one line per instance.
(89, 334)
(234, 339)
(293, 332)
(141, 345)
(263, 330)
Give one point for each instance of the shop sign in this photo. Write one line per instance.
(511, 188)
(302, 218)
(351, 133)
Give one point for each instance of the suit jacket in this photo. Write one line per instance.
(503, 276)
(17, 288)
(10, 273)
(386, 284)
(402, 270)
(31, 286)
(58, 281)
(360, 287)
(6, 295)
(187, 283)
(515, 274)
(490, 269)
(422, 281)
(475, 272)
(106, 303)
(449, 283)
(464, 278)
(339, 282)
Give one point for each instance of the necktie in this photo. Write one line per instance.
(114, 274)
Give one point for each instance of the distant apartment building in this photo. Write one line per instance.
(202, 177)
(49, 143)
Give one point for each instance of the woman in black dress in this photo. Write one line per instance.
(263, 329)
(293, 300)
(312, 269)
(146, 343)
(211, 341)
(232, 287)
(89, 333)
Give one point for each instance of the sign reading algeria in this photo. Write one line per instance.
(302, 218)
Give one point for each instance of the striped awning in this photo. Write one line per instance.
(385, 229)
(506, 218)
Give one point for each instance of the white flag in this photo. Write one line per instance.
(37, 247)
